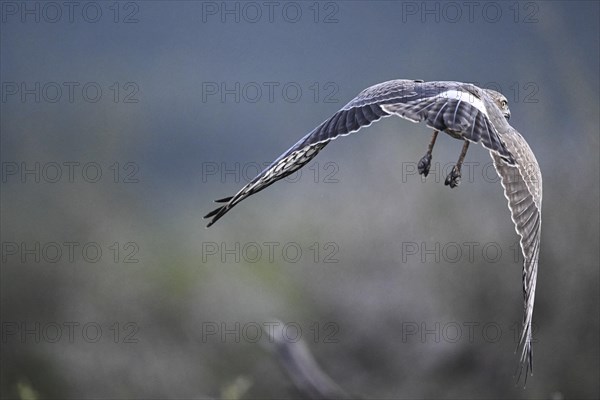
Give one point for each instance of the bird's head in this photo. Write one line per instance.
(501, 101)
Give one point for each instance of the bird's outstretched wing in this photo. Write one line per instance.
(455, 108)
(522, 185)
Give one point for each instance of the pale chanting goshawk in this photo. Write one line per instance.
(463, 111)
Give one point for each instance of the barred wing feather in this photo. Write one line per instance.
(522, 185)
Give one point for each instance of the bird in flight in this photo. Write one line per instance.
(463, 111)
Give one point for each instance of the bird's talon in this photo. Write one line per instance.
(424, 165)
(453, 178)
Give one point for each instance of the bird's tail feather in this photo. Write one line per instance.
(217, 213)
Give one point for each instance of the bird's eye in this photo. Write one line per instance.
(504, 103)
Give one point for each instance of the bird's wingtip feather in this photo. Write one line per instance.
(224, 200)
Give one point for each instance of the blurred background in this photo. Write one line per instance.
(121, 122)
